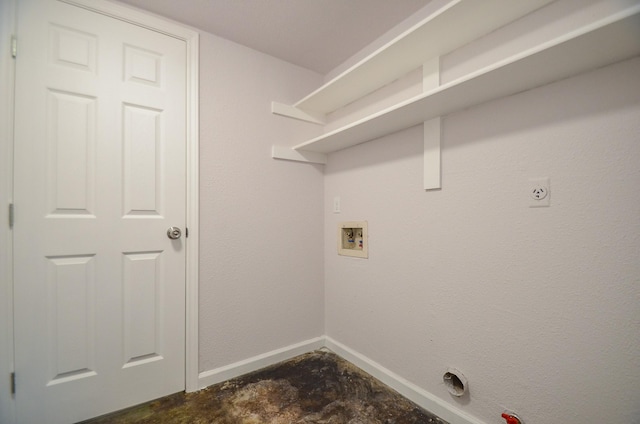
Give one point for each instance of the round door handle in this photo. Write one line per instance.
(174, 233)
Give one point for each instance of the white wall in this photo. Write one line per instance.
(538, 307)
(261, 272)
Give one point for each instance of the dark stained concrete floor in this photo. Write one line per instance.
(315, 388)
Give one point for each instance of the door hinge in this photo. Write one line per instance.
(14, 46)
(13, 383)
(11, 216)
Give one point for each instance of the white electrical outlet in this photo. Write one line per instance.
(336, 205)
(539, 193)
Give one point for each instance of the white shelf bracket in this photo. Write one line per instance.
(295, 113)
(431, 129)
(287, 153)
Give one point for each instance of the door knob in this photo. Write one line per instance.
(174, 233)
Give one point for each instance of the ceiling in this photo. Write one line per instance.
(315, 34)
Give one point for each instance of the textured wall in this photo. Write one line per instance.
(538, 307)
(261, 270)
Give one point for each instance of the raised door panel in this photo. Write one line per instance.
(142, 161)
(143, 288)
(71, 318)
(71, 137)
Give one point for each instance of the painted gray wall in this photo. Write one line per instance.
(261, 271)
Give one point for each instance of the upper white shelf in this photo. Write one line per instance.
(450, 27)
(607, 41)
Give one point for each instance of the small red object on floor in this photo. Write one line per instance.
(511, 419)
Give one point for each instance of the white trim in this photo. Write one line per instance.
(193, 216)
(407, 389)
(7, 73)
(191, 39)
(237, 369)
(138, 17)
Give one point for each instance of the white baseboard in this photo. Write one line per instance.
(218, 375)
(407, 389)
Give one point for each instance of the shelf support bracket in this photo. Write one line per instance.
(295, 113)
(431, 129)
(287, 153)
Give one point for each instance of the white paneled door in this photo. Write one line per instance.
(99, 178)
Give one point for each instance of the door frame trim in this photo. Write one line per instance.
(7, 69)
